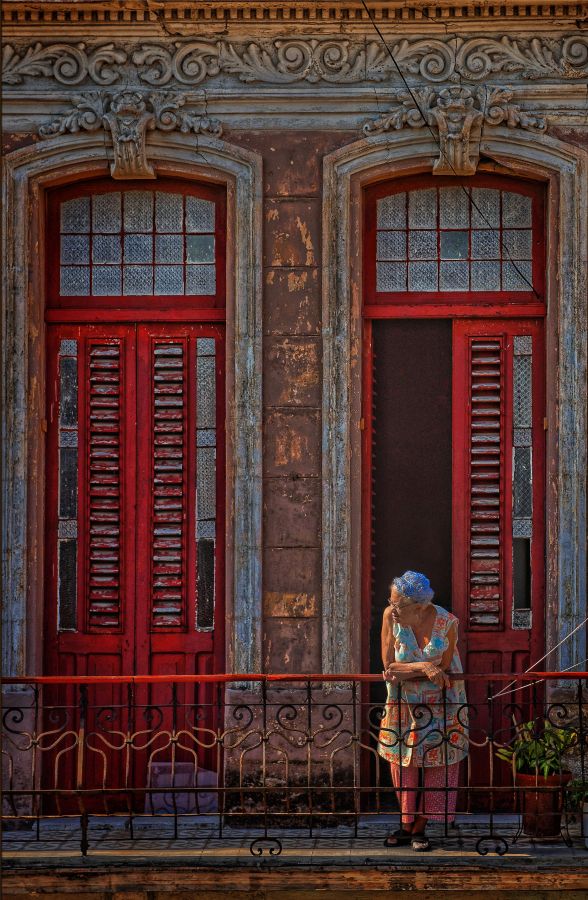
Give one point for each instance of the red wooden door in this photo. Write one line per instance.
(134, 499)
(498, 519)
(134, 541)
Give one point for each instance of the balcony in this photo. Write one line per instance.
(242, 770)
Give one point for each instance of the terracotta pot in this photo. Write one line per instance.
(541, 808)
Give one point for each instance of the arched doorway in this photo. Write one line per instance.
(135, 454)
(453, 454)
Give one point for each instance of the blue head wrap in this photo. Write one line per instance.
(414, 586)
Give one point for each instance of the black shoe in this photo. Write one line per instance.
(397, 838)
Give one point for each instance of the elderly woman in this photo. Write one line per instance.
(421, 731)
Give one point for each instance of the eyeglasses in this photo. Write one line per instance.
(402, 605)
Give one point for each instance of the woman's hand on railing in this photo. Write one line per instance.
(436, 675)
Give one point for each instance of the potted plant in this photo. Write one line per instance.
(577, 797)
(536, 758)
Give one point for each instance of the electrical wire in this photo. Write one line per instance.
(438, 144)
(549, 652)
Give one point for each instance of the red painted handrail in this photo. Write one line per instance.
(248, 676)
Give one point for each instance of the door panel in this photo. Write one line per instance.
(90, 516)
(499, 478)
(471, 396)
(135, 535)
(411, 458)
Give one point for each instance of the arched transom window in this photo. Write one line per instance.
(137, 243)
(480, 240)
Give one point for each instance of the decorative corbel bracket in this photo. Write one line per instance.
(128, 116)
(455, 116)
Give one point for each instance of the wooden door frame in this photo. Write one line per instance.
(564, 171)
(70, 158)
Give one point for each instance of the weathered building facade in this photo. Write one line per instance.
(330, 236)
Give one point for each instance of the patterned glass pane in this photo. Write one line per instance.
(522, 392)
(205, 393)
(391, 245)
(169, 279)
(106, 280)
(74, 281)
(522, 493)
(454, 244)
(67, 584)
(68, 347)
(138, 211)
(75, 216)
(390, 276)
(138, 280)
(68, 482)
(517, 244)
(205, 528)
(169, 248)
(200, 248)
(206, 346)
(392, 211)
(68, 392)
(485, 276)
(169, 212)
(200, 280)
(485, 208)
(199, 214)
(517, 276)
(205, 605)
(75, 249)
(523, 344)
(67, 528)
(422, 209)
(206, 482)
(422, 245)
(486, 245)
(206, 437)
(516, 210)
(522, 437)
(522, 528)
(68, 438)
(422, 276)
(106, 248)
(454, 276)
(138, 248)
(106, 213)
(454, 207)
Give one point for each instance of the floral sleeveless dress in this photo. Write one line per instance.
(416, 728)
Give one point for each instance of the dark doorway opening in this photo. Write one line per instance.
(412, 432)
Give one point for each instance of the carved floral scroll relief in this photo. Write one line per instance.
(128, 116)
(334, 60)
(456, 116)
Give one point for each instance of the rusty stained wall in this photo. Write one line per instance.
(292, 392)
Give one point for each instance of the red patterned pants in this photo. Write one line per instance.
(434, 804)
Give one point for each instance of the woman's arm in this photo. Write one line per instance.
(433, 668)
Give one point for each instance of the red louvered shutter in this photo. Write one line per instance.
(498, 489)
(135, 499)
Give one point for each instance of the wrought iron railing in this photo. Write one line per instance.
(268, 757)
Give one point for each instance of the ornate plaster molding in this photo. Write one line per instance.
(288, 60)
(457, 114)
(128, 116)
(66, 63)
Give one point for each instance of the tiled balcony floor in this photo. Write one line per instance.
(198, 841)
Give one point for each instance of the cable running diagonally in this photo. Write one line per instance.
(438, 143)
